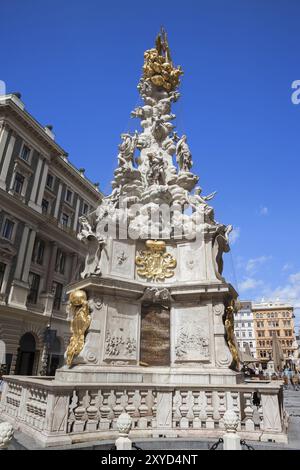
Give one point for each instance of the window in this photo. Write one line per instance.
(50, 181)
(251, 344)
(34, 284)
(45, 206)
(65, 219)
(60, 262)
(18, 183)
(85, 208)
(8, 229)
(25, 153)
(237, 334)
(58, 291)
(68, 196)
(38, 251)
(2, 272)
(250, 334)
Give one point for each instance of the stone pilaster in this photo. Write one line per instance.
(58, 198)
(3, 139)
(27, 261)
(50, 273)
(42, 185)
(33, 195)
(6, 161)
(21, 253)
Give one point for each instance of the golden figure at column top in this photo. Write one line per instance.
(158, 67)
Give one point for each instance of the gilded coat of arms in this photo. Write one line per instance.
(154, 263)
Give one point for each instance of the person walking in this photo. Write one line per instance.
(1, 383)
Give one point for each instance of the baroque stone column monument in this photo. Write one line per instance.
(158, 305)
(152, 317)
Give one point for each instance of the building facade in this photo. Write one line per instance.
(42, 196)
(274, 318)
(244, 328)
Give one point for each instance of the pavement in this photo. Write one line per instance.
(291, 403)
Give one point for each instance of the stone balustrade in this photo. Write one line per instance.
(55, 412)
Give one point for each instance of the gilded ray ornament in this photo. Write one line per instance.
(154, 263)
(79, 324)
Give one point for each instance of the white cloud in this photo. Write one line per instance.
(250, 283)
(264, 211)
(289, 292)
(234, 235)
(254, 263)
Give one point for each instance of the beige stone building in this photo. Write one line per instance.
(42, 196)
(274, 318)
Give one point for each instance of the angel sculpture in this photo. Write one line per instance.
(94, 244)
(197, 199)
(200, 206)
(79, 324)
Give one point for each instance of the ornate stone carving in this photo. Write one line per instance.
(6, 434)
(154, 263)
(231, 421)
(121, 257)
(218, 309)
(79, 324)
(156, 295)
(118, 345)
(124, 423)
(90, 356)
(191, 338)
(94, 246)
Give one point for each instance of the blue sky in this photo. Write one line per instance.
(77, 65)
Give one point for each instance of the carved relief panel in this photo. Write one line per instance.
(121, 333)
(191, 335)
(122, 260)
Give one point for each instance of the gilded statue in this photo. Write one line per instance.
(230, 337)
(154, 263)
(79, 324)
(158, 67)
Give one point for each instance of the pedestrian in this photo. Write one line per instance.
(295, 380)
(1, 383)
(286, 378)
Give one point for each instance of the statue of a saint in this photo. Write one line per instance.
(127, 149)
(183, 155)
(155, 173)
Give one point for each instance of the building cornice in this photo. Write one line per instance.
(10, 111)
